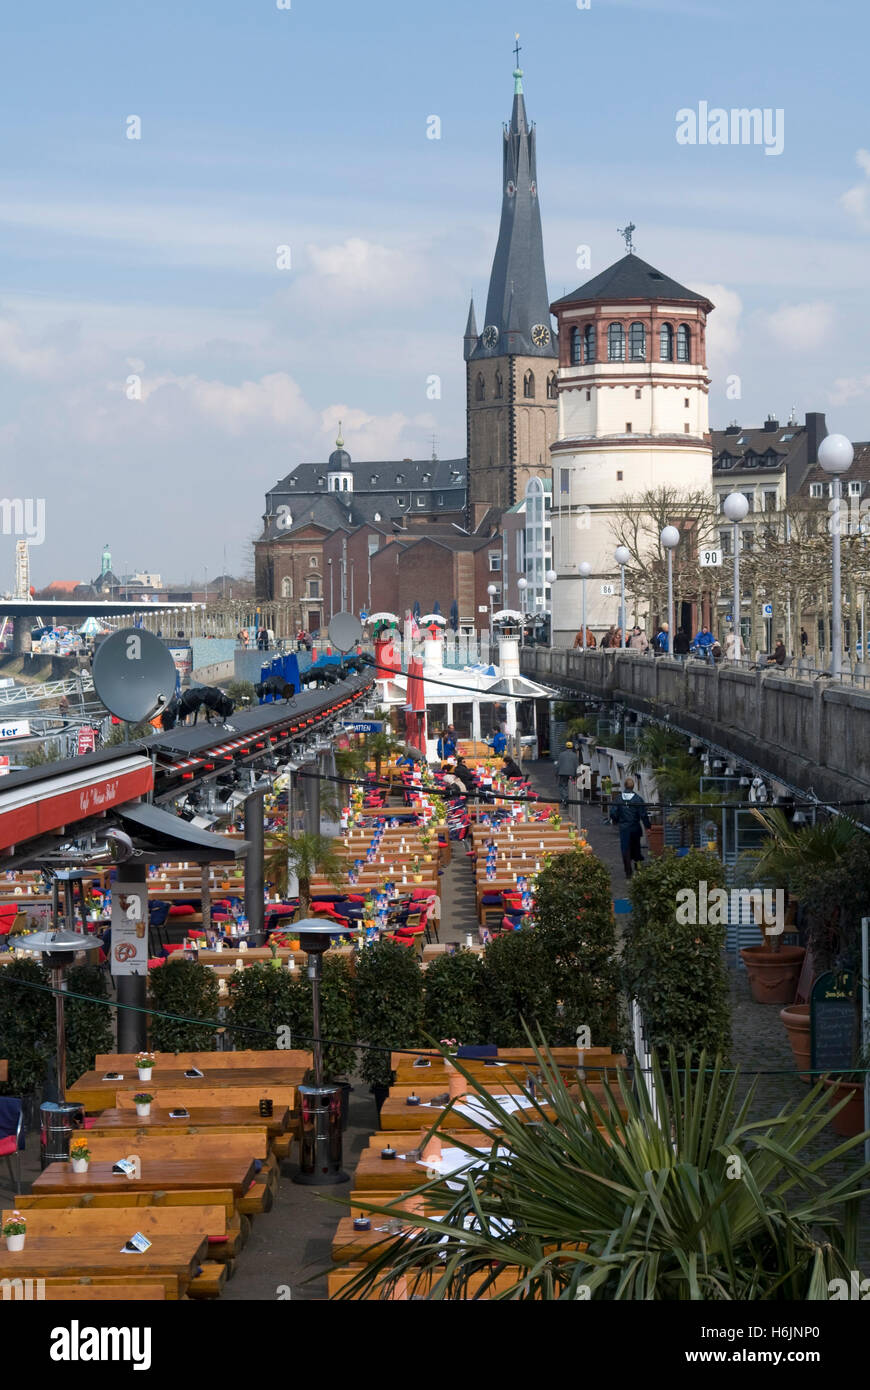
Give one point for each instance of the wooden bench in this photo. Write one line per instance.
(44, 1256)
(97, 1288)
(206, 1061)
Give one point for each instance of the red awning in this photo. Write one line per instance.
(38, 808)
(415, 710)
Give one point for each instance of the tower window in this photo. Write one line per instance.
(479, 389)
(686, 402)
(552, 392)
(575, 347)
(684, 353)
(628, 427)
(637, 393)
(589, 395)
(564, 480)
(616, 343)
(685, 429)
(499, 386)
(637, 342)
(619, 475)
(529, 386)
(589, 343)
(666, 343)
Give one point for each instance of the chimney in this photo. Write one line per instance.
(814, 424)
(771, 424)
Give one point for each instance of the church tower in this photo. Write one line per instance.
(511, 366)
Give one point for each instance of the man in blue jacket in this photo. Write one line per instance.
(447, 743)
(629, 812)
(703, 643)
(498, 742)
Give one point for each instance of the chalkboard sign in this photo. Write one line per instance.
(833, 1022)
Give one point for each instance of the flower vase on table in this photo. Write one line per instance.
(15, 1231)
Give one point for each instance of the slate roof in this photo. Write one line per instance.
(632, 278)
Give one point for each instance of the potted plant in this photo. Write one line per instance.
(555, 820)
(417, 870)
(142, 1101)
(796, 1019)
(849, 1087)
(80, 1154)
(145, 1065)
(304, 855)
(15, 1231)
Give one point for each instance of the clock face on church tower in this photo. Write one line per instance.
(540, 335)
(490, 335)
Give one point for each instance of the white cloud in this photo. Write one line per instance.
(856, 200)
(723, 326)
(847, 388)
(795, 327)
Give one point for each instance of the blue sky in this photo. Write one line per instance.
(306, 127)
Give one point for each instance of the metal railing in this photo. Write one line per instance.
(46, 690)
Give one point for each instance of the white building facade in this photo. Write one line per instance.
(632, 416)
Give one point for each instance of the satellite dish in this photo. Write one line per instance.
(134, 674)
(345, 630)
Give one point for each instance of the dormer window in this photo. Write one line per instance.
(725, 461)
(373, 479)
(400, 478)
(377, 516)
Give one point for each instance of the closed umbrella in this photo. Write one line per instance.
(454, 615)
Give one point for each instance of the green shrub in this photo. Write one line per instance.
(517, 980)
(388, 1003)
(574, 922)
(27, 1032)
(338, 1021)
(189, 990)
(453, 999)
(267, 999)
(88, 1026)
(676, 970)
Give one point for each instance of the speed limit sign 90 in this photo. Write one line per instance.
(710, 557)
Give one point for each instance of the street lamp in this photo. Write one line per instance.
(670, 539)
(622, 556)
(522, 585)
(835, 456)
(551, 576)
(585, 570)
(492, 591)
(735, 508)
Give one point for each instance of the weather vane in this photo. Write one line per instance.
(627, 233)
(517, 49)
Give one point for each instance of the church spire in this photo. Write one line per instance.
(517, 306)
(471, 334)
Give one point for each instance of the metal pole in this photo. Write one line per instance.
(738, 631)
(57, 985)
(865, 1024)
(836, 597)
(253, 833)
(315, 972)
(621, 608)
(583, 613)
(133, 1025)
(670, 602)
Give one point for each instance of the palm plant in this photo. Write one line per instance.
(611, 1194)
(304, 855)
(791, 850)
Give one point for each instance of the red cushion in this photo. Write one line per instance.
(90, 1121)
(154, 961)
(8, 1146)
(178, 946)
(182, 910)
(6, 926)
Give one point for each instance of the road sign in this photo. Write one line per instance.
(363, 615)
(767, 610)
(729, 617)
(710, 557)
(608, 589)
(364, 726)
(87, 741)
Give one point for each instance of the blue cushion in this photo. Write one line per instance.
(491, 899)
(482, 1050)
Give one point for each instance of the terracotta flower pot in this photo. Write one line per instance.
(850, 1120)
(796, 1018)
(655, 838)
(773, 975)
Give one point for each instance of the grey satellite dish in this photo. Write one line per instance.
(134, 674)
(345, 630)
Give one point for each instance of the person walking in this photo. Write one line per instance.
(732, 645)
(566, 768)
(660, 641)
(630, 814)
(606, 793)
(498, 742)
(446, 746)
(590, 638)
(681, 644)
(703, 642)
(638, 641)
(779, 651)
(805, 641)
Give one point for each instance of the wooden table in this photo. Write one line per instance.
(362, 1247)
(180, 1174)
(177, 1258)
(376, 1174)
(95, 1094)
(4, 1071)
(201, 1117)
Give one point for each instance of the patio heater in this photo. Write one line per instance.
(319, 1104)
(58, 1119)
